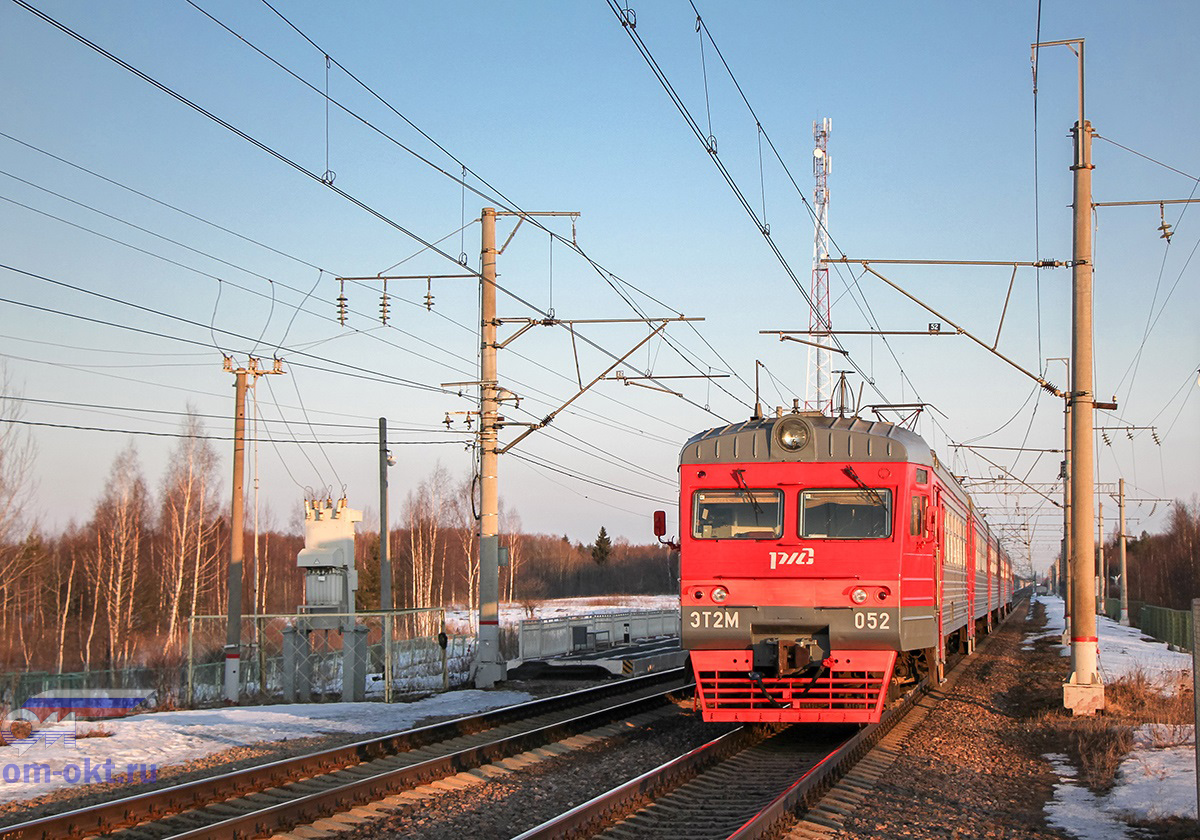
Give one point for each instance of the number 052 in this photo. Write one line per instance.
(871, 620)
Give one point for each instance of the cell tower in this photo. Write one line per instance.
(819, 394)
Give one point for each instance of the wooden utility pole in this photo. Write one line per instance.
(237, 530)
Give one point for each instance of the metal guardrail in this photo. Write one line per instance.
(546, 637)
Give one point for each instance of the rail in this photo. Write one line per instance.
(462, 743)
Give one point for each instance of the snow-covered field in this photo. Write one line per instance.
(143, 744)
(1156, 780)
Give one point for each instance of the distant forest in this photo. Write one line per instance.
(118, 589)
(1164, 569)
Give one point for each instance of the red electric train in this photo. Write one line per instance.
(825, 563)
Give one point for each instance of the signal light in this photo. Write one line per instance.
(858, 596)
(720, 594)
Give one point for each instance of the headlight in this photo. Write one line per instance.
(792, 433)
(720, 594)
(858, 596)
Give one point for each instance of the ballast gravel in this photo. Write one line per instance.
(506, 805)
(973, 768)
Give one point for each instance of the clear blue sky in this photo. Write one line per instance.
(933, 151)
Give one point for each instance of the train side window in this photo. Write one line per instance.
(846, 514)
(916, 522)
(737, 514)
(922, 476)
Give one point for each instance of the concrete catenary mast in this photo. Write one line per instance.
(819, 393)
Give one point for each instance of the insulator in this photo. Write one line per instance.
(1129, 433)
(1154, 434)
(428, 301)
(448, 421)
(1107, 441)
(383, 308)
(341, 308)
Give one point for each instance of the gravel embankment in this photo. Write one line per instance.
(973, 767)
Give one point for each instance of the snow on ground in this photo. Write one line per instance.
(1124, 651)
(143, 743)
(1158, 778)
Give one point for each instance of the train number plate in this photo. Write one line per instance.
(713, 620)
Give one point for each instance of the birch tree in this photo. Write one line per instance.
(119, 523)
(463, 504)
(425, 511)
(189, 547)
(17, 457)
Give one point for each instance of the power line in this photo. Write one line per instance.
(625, 491)
(355, 371)
(298, 307)
(373, 430)
(144, 433)
(609, 277)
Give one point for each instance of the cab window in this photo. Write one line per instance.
(737, 514)
(916, 519)
(846, 514)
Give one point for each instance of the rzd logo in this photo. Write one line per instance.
(803, 557)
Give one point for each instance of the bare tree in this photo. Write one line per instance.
(462, 508)
(17, 457)
(512, 539)
(120, 520)
(426, 510)
(188, 523)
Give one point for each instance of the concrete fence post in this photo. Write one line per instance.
(1196, 694)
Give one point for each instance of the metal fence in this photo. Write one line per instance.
(1112, 609)
(540, 638)
(166, 682)
(330, 656)
(1171, 626)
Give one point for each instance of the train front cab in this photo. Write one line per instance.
(802, 584)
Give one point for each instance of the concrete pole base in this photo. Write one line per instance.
(233, 678)
(1083, 698)
(487, 674)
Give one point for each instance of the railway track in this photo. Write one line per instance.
(295, 791)
(744, 784)
(748, 784)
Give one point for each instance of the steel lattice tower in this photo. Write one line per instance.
(819, 393)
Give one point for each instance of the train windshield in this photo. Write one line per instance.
(737, 514)
(846, 514)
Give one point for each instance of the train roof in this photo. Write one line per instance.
(829, 438)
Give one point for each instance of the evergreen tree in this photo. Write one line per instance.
(603, 547)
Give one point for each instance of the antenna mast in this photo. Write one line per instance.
(819, 395)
